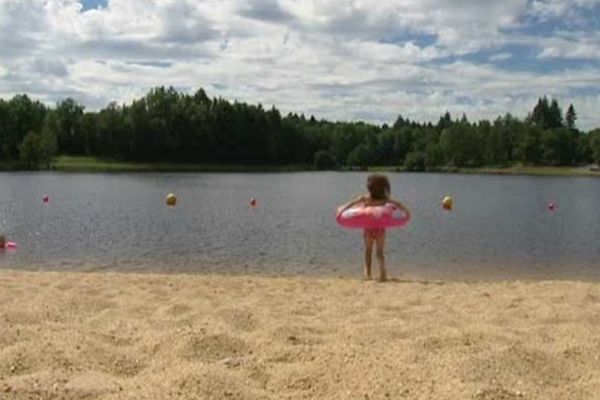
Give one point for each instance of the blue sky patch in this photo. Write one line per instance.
(519, 58)
(576, 18)
(156, 64)
(545, 65)
(418, 40)
(92, 4)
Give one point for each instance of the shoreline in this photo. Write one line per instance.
(395, 276)
(110, 335)
(511, 171)
(91, 165)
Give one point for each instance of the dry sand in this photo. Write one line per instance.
(142, 336)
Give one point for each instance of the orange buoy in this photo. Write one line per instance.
(171, 199)
(447, 203)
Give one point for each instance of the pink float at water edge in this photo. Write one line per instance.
(386, 216)
(9, 245)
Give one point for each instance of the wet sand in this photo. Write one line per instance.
(70, 335)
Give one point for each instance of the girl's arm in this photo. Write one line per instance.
(399, 205)
(344, 207)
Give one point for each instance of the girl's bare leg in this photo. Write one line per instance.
(379, 247)
(368, 253)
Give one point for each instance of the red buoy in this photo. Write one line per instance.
(253, 202)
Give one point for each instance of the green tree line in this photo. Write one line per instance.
(170, 126)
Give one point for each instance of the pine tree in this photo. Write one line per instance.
(555, 119)
(400, 122)
(547, 115)
(571, 117)
(539, 116)
(445, 121)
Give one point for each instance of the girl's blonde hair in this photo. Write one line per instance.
(378, 186)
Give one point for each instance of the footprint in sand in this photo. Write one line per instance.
(213, 348)
(298, 335)
(110, 359)
(497, 393)
(517, 363)
(295, 355)
(177, 310)
(239, 320)
(124, 366)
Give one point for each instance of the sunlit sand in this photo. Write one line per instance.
(145, 336)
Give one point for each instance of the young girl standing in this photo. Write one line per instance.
(378, 186)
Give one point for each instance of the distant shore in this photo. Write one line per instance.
(91, 164)
(539, 171)
(71, 335)
(590, 171)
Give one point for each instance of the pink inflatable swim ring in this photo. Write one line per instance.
(361, 217)
(9, 245)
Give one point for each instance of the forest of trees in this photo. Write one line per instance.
(169, 126)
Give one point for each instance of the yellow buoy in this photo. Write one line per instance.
(171, 199)
(447, 203)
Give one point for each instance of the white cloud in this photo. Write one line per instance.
(576, 45)
(547, 9)
(337, 59)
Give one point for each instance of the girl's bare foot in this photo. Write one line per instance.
(383, 276)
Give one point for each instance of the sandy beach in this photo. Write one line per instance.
(147, 336)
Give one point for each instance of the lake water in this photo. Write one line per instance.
(500, 227)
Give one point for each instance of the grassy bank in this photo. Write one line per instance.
(9, 166)
(91, 164)
(514, 170)
(539, 171)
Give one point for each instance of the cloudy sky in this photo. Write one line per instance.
(336, 59)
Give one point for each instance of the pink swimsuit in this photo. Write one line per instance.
(374, 233)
